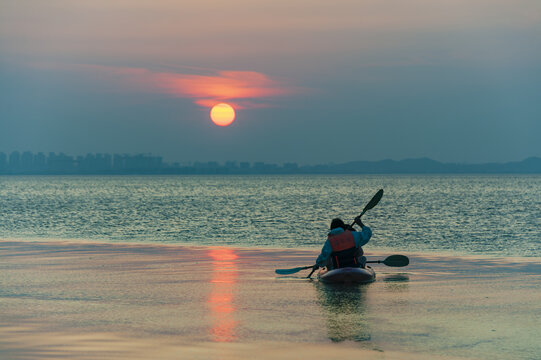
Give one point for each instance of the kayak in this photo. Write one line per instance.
(347, 275)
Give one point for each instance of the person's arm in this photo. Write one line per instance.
(363, 236)
(325, 253)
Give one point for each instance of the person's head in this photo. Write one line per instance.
(337, 223)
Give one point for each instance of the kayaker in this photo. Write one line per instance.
(343, 247)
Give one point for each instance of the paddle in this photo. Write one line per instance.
(292, 271)
(375, 200)
(393, 260)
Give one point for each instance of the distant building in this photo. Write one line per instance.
(3, 162)
(15, 161)
(291, 166)
(95, 164)
(264, 168)
(136, 163)
(259, 165)
(119, 163)
(104, 162)
(27, 161)
(40, 162)
(60, 164)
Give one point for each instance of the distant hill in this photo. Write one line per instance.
(530, 165)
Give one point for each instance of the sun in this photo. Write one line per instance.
(222, 114)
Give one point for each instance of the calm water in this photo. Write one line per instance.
(498, 215)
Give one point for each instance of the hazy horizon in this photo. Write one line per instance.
(311, 81)
(45, 156)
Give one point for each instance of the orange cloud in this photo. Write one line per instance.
(244, 89)
(207, 90)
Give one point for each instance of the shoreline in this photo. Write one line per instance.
(378, 251)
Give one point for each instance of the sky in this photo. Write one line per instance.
(310, 81)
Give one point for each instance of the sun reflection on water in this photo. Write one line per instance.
(221, 298)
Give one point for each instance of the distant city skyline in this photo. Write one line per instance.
(16, 163)
(185, 161)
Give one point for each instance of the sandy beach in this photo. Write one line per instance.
(79, 300)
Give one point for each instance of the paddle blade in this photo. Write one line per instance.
(291, 271)
(375, 200)
(396, 261)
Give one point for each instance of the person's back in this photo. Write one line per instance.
(344, 252)
(343, 247)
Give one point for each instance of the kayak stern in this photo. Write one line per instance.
(347, 276)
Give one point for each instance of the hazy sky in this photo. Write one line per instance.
(311, 81)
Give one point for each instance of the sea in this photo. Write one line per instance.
(495, 215)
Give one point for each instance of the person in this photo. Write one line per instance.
(343, 247)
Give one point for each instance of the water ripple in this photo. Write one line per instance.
(465, 214)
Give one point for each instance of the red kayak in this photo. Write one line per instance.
(347, 276)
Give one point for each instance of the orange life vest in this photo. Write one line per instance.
(344, 253)
(342, 241)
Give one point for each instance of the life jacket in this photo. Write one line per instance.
(344, 252)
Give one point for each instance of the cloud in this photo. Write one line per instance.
(223, 86)
(243, 89)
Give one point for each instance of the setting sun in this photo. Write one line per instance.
(222, 114)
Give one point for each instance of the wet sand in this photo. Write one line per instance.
(114, 301)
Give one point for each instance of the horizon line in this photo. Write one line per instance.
(224, 162)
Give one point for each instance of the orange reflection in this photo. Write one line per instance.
(221, 297)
